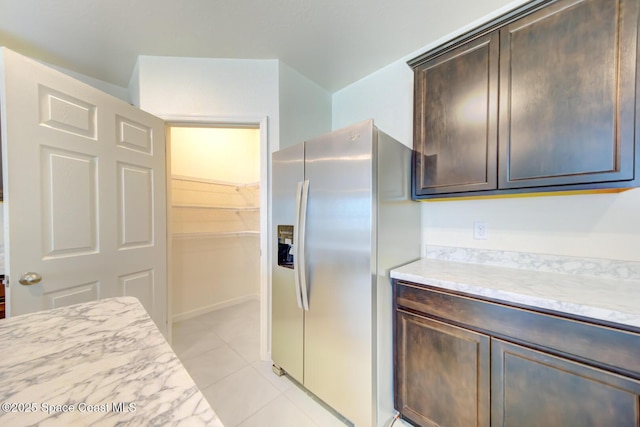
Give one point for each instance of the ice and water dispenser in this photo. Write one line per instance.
(285, 246)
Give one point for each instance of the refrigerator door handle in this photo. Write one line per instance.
(296, 242)
(302, 240)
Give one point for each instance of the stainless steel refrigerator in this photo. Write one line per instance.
(342, 217)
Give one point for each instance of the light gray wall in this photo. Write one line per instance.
(305, 107)
(111, 89)
(211, 87)
(385, 96)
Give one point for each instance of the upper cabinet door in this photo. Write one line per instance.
(456, 106)
(567, 94)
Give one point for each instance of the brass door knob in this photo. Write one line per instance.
(30, 278)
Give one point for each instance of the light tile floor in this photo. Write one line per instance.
(221, 352)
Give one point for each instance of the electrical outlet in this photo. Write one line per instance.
(480, 230)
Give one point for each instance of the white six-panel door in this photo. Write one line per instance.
(84, 193)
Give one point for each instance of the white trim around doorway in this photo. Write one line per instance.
(265, 213)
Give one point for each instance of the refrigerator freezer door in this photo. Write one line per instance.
(341, 269)
(287, 320)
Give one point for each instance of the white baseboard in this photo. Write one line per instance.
(214, 307)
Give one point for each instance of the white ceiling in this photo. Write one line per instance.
(333, 42)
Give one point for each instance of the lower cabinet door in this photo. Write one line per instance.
(442, 373)
(531, 388)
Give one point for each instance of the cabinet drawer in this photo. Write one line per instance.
(614, 349)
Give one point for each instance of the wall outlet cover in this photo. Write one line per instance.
(480, 230)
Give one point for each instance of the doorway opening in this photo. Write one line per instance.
(217, 211)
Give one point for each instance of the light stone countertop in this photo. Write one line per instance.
(106, 360)
(611, 300)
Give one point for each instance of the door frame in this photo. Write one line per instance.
(265, 210)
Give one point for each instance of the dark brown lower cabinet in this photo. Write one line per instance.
(463, 361)
(443, 377)
(531, 388)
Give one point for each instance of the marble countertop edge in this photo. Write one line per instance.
(608, 300)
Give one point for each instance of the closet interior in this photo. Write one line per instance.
(215, 218)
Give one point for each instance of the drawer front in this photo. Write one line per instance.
(613, 349)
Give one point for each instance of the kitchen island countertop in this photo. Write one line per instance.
(99, 363)
(610, 300)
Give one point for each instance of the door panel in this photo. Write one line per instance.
(72, 295)
(287, 318)
(134, 136)
(66, 113)
(135, 211)
(85, 198)
(69, 203)
(338, 325)
(531, 388)
(566, 118)
(442, 373)
(140, 285)
(456, 111)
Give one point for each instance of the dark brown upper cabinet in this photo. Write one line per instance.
(567, 88)
(541, 99)
(456, 119)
